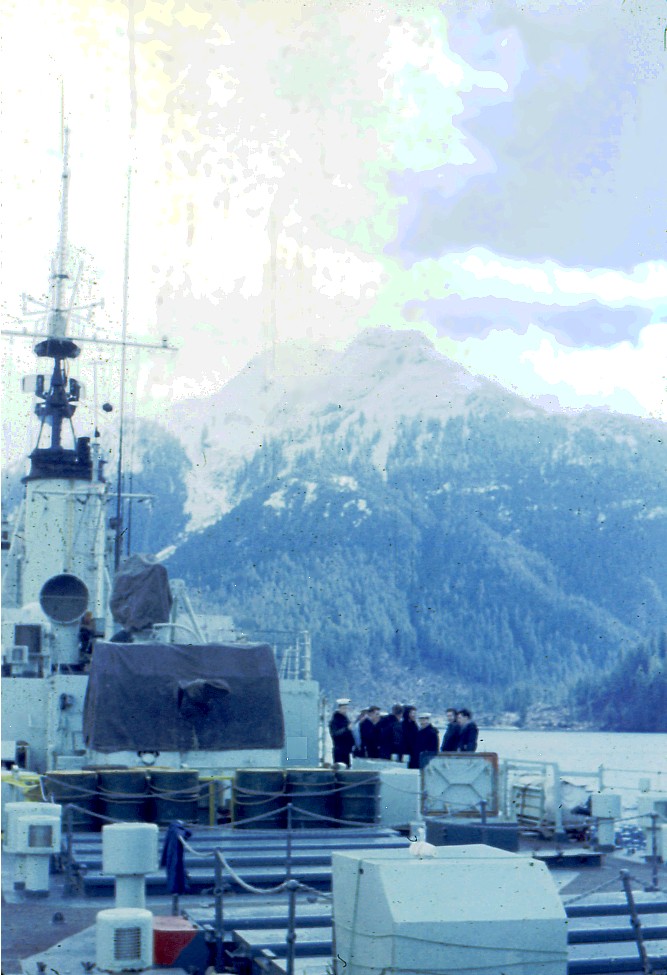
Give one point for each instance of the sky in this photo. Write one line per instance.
(484, 171)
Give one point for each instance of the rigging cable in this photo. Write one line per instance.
(123, 356)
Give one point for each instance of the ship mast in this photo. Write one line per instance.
(58, 403)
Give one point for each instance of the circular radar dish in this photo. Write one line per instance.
(64, 598)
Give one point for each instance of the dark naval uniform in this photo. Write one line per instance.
(450, 739)
(468, 737)
(342, 738)
(428, 740)
(409, 746)
(371, 738)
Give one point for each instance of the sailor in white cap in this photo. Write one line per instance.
(341, 733)
(427, 736)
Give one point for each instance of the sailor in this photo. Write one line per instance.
(341, 732)
(427, 737)
(390, 733)
(358, 750)
(450, 739)
(370, 732)
(468, 733)
(409, 735)
(86, 637)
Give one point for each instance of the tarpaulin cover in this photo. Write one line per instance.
(141, 595)
(170, 697)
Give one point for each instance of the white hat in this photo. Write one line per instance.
(342, 700)
(424, 714)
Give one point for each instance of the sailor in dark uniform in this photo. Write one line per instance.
(427, 737)
(341, 733)
(391, 738)
(409, 739)
(450, 739)
(469, 731)
(371, 733)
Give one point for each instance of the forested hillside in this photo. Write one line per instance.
(441, 538)
(489, 557)
(632, 695)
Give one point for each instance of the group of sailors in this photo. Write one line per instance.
(400, 734)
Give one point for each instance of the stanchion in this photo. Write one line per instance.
(654, 852)
(292, 887)
(636, 923)
(219, 917)
(69, 849)
(289, 840)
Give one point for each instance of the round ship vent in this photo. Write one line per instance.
(64, 598)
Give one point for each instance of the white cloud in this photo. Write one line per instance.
(625, 377)
(481, 273)
(639, 370)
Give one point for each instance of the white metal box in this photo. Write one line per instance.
(606, 805)
(456, 784)
(469, 909)
(400, 791)
(124, 939)
(130, 849)
(652, 802)
(15, 811)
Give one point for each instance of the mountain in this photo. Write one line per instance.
(425, 524)
(442, 538)
(632, 695)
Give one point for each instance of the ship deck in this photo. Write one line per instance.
(57, 932)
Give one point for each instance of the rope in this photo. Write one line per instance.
(257, 792)
(83, 793)
(89, 812)
(304, 887)
(249, 803)
(593, 890)
(196, 853)
(642, 883)
(642, 816)
(255, 819)
(249, 887)
(242, 790)
(191, 792)
(120, 796)
(331, 819)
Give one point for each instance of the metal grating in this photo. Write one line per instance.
(127, 944)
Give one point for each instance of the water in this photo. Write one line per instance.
(625, 757)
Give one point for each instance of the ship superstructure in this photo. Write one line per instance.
(55, 555)
(58, 572)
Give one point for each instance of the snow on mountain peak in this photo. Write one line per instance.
(300, 395)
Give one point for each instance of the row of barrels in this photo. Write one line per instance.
(125, 795)
(319, 798)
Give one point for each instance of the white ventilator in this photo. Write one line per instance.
(471, 910)
(124, 939)
(130, 852)
(606, 808)
(14, 810)
(36, 838)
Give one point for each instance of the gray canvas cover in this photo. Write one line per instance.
(172, 697)
(141, 595)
